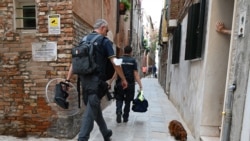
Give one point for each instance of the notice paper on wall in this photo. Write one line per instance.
(46, 51)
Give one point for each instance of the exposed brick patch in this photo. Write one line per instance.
(23, 106)
(178, 9)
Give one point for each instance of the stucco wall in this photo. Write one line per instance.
(216, 51)
(198, 86)
(240, 55)
(186, 86)
(91, 10)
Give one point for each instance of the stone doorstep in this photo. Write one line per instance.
(210, 131)
(205, 138)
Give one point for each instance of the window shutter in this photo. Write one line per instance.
(201, 28)
(176, 45)
(192, 32)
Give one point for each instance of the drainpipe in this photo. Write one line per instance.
(227, 114)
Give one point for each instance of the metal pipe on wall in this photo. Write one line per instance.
(227, 114)
(226, 122)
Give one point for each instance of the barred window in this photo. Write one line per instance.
(25, 14)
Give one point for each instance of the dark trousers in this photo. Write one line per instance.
(124, 96)
(93, 111)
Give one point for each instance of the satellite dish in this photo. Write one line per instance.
(73, 108)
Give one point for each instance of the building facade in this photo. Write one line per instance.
(210, 68)
(36, 37)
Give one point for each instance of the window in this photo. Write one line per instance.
(195, 26)
(176, 45)
(25, 14)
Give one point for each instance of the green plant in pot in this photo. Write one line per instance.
(124, 6)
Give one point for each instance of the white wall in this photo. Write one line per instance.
(216, 60)
(245, 134)
(186, 86)
(198, 86)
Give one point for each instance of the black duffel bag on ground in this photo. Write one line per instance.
(140, 103)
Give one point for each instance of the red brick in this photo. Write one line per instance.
(43, 9)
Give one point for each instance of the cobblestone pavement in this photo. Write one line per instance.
(149, 126)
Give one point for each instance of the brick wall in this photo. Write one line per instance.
(178, 9)
(24, 108)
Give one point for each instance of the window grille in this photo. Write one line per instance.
(25, 15)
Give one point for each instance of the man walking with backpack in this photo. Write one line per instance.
(129, 67)
(94, 85)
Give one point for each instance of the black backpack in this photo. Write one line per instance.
(83, 61)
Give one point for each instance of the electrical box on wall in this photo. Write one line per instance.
(242, 22)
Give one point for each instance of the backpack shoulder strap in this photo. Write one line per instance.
(92, 41)
(84, 39)
(79, 91)
(95, 37)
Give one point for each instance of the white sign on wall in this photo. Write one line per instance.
(54, 24)
(44, 51)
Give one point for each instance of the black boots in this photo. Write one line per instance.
(119, 118)
(125, 119)
(107, 137)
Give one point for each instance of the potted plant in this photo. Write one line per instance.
(124, 6)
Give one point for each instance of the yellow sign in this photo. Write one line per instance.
(54, 24)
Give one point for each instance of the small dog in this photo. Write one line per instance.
(177, 130)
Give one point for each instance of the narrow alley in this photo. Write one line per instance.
(149, 126)
(199, 50)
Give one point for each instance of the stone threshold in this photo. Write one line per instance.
(205, 138)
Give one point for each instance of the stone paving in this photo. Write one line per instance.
(149, 126)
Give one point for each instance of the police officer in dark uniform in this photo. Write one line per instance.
(129, 67)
